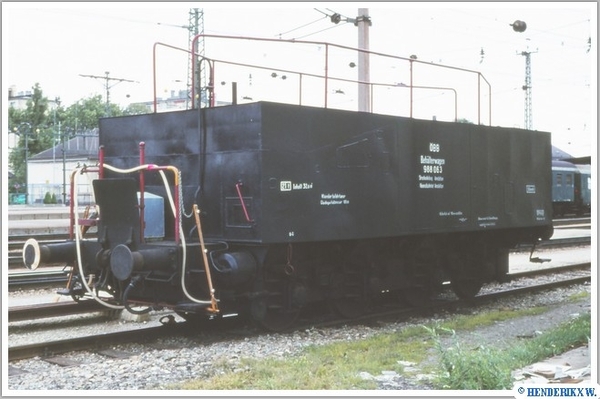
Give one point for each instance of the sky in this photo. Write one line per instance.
(53, 44)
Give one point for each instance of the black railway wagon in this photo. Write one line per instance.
(266, 175)
(301, 205)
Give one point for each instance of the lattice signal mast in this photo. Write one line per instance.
(195, 27)
(527, 89)
(521, 26)
(197, 69)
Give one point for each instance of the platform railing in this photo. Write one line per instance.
(214, 64)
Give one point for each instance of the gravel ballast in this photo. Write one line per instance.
(157, 365)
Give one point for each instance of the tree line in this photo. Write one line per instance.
(44, 126)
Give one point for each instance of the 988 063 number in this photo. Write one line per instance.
(433, 169)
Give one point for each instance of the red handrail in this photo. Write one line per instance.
(238, 186)
(326, 75)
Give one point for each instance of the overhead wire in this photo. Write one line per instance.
(301, 26)
(94, 14)
(325, 15)
(331, 15)
(319, 31)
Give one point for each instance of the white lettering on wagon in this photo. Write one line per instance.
(487, 221)
(286, 185)
(334, 199)
(432, 169)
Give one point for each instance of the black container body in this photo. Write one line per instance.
(274, 173)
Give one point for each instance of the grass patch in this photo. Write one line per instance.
(567, 336)
(482, 368)
(470, 322)
(337, 366)
(579, 296)
(490, 368)
(334, 366)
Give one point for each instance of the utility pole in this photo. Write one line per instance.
(363, 22)
(108, 87)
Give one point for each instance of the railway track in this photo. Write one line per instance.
(57, 309)
(86, 343)
(569, 222)
(550, 270)
(170, 327)
(46, 310)
(47, 278)
(556, 243)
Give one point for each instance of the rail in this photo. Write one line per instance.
(107, 339)
(43, 310)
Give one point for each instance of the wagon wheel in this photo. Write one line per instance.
(350, 292)
(466, 288)
(465, 276)
(272, 308)
(420, 273)
(417, 296)
(74, 287)
(279, 297)
(350, 299)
